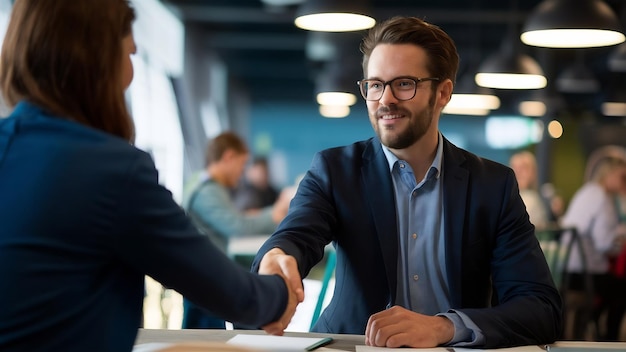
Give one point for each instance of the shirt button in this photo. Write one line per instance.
(414, 236)
(415, 277)
(401, 165)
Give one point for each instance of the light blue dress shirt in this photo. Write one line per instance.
(422, 276)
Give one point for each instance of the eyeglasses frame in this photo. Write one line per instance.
(388, 83)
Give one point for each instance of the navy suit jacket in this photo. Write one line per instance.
(492, 255)
(82, 220)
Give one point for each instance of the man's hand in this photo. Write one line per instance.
(276, 261)
(400, 327)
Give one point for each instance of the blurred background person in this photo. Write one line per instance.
(525, 167)
(214, 213)
(82, 214)
(593, 213)
(255, 190)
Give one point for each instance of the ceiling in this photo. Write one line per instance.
(271, 58)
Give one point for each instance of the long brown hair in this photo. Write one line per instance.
(66, 56)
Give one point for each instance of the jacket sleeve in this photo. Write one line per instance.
(526, 305)
(309, 224)
(157, 238)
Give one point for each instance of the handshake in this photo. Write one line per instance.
(277, 262)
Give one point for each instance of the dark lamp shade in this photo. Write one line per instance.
(510, 71)
(336, 86)
(577, 79)
(334, 16)
(572, 24)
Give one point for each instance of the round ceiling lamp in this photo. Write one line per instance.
(469, 99)
(336, 98)
(509, 70)
(335, 87)
(572, 24)
(334, 16)
(615, 103)
(334, 111)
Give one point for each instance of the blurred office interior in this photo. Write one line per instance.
(205, 66)
(244, 65)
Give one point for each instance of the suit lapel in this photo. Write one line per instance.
(455, 183)
(381, 200)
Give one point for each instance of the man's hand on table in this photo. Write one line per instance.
(276, 261)
(400, 327)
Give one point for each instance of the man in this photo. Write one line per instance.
(434, 246)
(214, 213)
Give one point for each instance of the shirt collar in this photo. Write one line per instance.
(436, 165)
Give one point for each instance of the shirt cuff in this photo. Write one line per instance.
(466, 332)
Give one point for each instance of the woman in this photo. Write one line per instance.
(82, 216)
(593, 214)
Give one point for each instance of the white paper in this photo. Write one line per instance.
(151, 346)
(274, 343)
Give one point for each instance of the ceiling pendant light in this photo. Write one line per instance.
(572, 24)
(334, 111)
(510, 69)
(614, 108)
(471, 104)
(335, 87)
(469, 99)
(334, 16)
(615, 103)
(542, 102)
(577, 78)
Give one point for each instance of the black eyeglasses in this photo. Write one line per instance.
(403, 88)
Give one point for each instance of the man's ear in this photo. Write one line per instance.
(445, 92)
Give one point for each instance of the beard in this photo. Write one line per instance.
(419, 123)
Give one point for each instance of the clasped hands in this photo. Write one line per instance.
(275, 261)
(394, 327)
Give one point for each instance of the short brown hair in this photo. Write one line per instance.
(221, 143)
(443, 58)
(65, 55)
